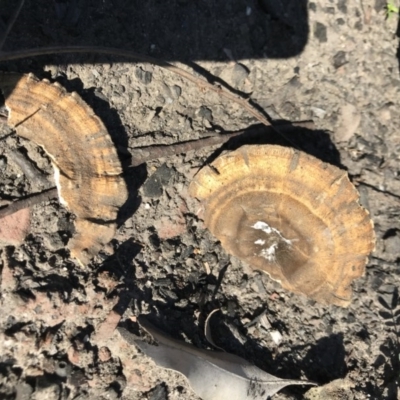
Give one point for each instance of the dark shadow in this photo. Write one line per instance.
(398, 46)
(175, 30)
(314, 142)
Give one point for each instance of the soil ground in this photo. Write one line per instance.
(332, 61)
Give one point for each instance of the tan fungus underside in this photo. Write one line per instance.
(87, 168)
(290, 215)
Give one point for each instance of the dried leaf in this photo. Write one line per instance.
(212, 375)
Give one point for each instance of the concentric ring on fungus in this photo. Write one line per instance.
(290, 215)
(87, 170)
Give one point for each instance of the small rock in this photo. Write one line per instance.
(24, 391)
(392, 246)
(239, 74)
(235, 75)
(104, 354)
(320, 32)
(358, 25)
(380, 5)
(153, 187)
(205, 113)
(385, 113)
(3, 162)
(276, 337)
(340, 59)
(335, 390)
(158, 393)
(349, 121)
(144, 76)
(53, 241)
(318, 112)
(342, 6)
(290, 111)
(176, 91)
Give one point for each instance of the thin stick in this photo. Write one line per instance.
(142, 155)
(14, 55)
(11, 22)
(28, 202)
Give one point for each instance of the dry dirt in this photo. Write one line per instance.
(332, 61)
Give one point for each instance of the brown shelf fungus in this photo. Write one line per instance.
(290, 215)
(86, 164)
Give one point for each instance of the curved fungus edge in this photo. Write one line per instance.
(87, 169)
(258, 197)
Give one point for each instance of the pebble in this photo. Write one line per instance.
(239, 74)
(337, 389)
(318, 112)
(205, 113)
(153, 187)
(342, 6)
(320, 32)
(24, 391)
(392, 245)
(349, 122)
(235, 75)
(3, 162)
(340, 59)
(144, 76)
(158, 393)
(276, 337)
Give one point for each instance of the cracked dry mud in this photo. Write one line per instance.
(57, 320)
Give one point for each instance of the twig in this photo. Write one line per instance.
(141, 155)
(11, 22)
(27, 167)
(14, 55)
(28, 202)
(374, 188)
(144, 154)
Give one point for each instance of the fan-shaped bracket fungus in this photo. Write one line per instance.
(87, 169)
(290, 215)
